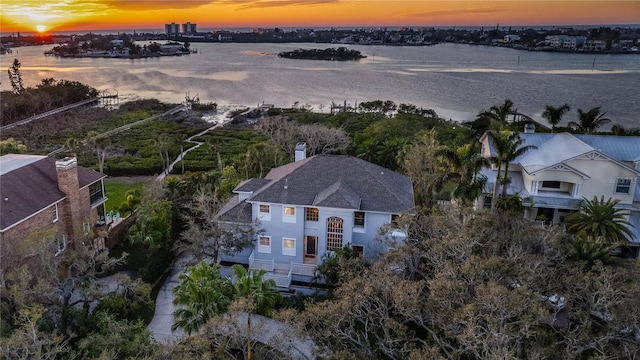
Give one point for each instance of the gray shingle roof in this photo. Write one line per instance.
(339, 181)
(251, 185)
(339, 195)
(29, 184)
(235, 211)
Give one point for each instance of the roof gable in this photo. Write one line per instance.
(32, 186)
(339, 195)
(554, 151)
(337, 181)
(621, 148)
(597, 155)
(562, 167)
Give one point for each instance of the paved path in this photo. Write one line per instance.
(221, 122)
(269, 331)
(160, 325)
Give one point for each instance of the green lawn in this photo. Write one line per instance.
(116, 188)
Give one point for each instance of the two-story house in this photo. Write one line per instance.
(313, 206)
(564, 168)
(40, 194)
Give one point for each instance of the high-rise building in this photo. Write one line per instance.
(172, 30)
(189, 28)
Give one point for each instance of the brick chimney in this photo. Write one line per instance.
(68, 183)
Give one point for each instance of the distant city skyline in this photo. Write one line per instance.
(110, 15)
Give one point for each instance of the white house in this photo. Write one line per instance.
(313, 206)
(564, 168)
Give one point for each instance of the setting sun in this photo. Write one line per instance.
(67, 15)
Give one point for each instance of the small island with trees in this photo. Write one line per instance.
(333, 54)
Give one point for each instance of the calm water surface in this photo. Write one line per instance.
(455, 80)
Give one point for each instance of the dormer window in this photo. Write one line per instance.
(623, 186)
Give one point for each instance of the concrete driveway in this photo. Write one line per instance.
(277, 334)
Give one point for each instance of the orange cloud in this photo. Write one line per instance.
(25, 15)
(155, 5)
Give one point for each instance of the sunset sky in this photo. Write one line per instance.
(84, 15)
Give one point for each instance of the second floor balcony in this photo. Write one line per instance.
(96, 194)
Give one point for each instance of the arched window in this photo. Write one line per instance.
(334, 233)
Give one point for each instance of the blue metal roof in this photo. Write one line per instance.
(622, 148)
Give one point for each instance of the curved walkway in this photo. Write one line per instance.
(221, 122)
(266, 330)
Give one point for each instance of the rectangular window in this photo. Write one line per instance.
(394, 219)
(289, 246)
(264, 244)
(311, 214)
(61, 244)
(265, 212)
(289, 214)
(551, 184)
(358, 250)
(54, 212)
(358, 219)
(623, 186)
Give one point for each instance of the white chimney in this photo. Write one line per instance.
(301, 151)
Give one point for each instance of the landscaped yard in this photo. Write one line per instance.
(117, 187)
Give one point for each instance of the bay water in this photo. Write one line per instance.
(456, 80)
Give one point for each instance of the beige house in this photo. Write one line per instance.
(564, 168)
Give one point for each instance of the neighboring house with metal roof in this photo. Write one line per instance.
(313, 206)
(40, 194)
(564, 168)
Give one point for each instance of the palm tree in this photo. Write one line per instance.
(162, 143)
(100, 143)
(261, 293)
(463, 165)
(554, 115)
(201, 294)
(622, 131)
(588, 249)
(600, 219)
(590, 121)
(387, 152)
(498, 114)
(251, 285)
(507, 146)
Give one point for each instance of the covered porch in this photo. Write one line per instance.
(281, 272)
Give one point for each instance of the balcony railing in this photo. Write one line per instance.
(281, 272)
(303, 269)
(258, 264)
